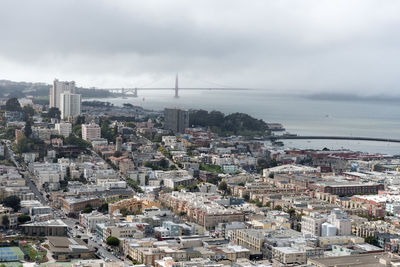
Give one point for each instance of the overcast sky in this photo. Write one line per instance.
(329, 46)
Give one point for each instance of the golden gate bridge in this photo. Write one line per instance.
(134, 91)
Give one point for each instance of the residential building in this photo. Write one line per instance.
(312, 224)
(59, 88)
(91, 131)
(90, 220)
(70, 105)
(72, 204)
(288, 256)
(64, 128)
(176, 120)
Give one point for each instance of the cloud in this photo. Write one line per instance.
(314, 45)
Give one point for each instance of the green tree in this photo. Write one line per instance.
(12, 104)
(28, 129)
(28, 111)
(277, 207)
(370, 240)
(103, 208)
(24, 218)
(80, 120)
(24, 145)
(54, 113)
(5, 221)
(117, 154)
(88, 209)
(13, 202)
(292, 212)
(130, 124)
(223, 186)
(112, 241)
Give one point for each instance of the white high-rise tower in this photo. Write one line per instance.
(59, 88)
(70, 105)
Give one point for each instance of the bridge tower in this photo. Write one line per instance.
(176, 87)
(122, 91)
(135, 93)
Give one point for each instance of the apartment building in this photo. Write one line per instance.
(91, 131)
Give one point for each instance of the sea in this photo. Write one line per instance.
(298, 113)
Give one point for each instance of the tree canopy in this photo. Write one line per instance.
(12, 104)
(13, 202)
(223, 186)
(112, 241)
(236, 123)
(54, 113)
(5, 221)
(24, 218)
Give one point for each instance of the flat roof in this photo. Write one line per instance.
(365, 260)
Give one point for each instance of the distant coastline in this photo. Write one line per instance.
(351, 97)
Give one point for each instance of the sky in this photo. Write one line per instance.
(285, 46)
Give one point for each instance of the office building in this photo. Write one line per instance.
(91, 131)
(59, 88)
(70, 105)
(176, 119)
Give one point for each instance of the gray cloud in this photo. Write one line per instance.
(317, 45)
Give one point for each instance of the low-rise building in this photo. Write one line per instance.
(46, 228)
(288, 256)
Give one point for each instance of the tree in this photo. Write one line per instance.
(54, 113)
(88, 209)
(292, 212)
(130, 124)
(28, 129)
(223, 186)
(12, 104)
(24, 218)
(103, 208)
(80, 120)
(370, 240)
(24, 145)
(28, 111)
(5, 221)
(112, 241)
(117, 154)
(277, 207)
(13, 202)
(124, 211)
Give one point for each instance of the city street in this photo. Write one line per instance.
(25, 173)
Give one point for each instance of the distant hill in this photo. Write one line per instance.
(41, 90)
